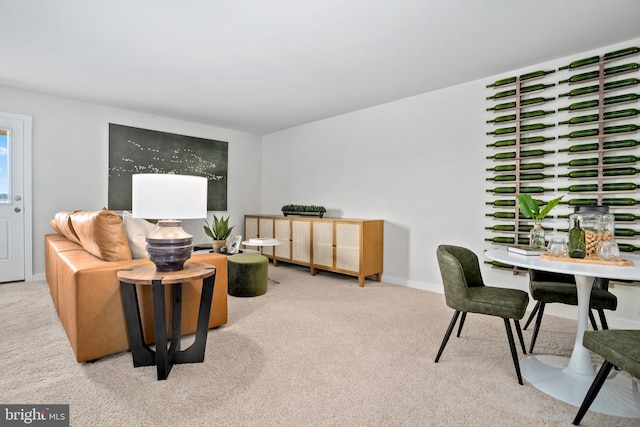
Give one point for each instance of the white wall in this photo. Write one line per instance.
(70, 159)
(419, 164)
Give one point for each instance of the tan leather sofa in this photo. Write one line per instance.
(86, 291)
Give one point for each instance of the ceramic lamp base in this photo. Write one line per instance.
(169, 246)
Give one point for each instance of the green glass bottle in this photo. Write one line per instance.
(594, 103)
(526, 153)
(617, 186)
(593, 173)
(581, 63)
(525, 190)
(507, 240)
(524, 115)
(625, 247)
(610, 115)
(625, 217)
(607, 145)
(625, 201)
(609, 130)
(596, 59)
(524, 89)
(523, 141)
(524, 128)
(523, 177)
(523, 228)
(523, 166)
(577, 243)
(611, 71)
(626, 232)
(527, 76)
(505, 215)
(596, 88)
(502, 202)
(523, 103)
(611, 160)
(621, 53)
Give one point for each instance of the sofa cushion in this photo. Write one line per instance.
(61, 223)
(137, 231)
(102, 234)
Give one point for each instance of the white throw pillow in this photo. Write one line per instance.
(137, 230)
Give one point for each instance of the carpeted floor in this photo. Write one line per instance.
(312, 351)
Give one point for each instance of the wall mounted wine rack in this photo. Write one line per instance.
(568, 132)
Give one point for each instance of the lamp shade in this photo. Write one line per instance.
(169, 196)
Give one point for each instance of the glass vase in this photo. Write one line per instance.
(536, 236)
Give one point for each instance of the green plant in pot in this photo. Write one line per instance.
(530, 208)
(219, 230)
(313, 210)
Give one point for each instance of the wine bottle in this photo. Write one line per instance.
(577, 242)
(508, 240)
(525, 228)
(523, 103)
(594, 103)
(607, 86)
(523, 166)
(625, 247)
(509, 80)
(610, 115)
(524, 190)
(626, 232)
(499, 264)
(617, 186)
(525, 115)
(581, 63)
(625, 217)
(612, 160)
(621, 53)
(523, 177)
(524, 128)
(523, 141)
(524, 89)
(527, 153)
(595, 59)
(611, 71)
(592, 173)
(502, 202)
(609, 130)
(505, 215)
(607, 145)
(605, 201)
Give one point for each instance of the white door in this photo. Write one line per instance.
(14, 132)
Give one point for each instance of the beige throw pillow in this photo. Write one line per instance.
(137, 231)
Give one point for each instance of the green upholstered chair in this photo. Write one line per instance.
(248, 275)
(465, 292)
(619, 348)
(546, 287)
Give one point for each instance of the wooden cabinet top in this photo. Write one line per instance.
(310, 218)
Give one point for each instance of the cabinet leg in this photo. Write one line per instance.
(378, 277)
(313, 271)
(361, 281)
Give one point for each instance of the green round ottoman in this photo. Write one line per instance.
(248, 275)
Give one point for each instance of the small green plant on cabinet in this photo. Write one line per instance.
(220, 229)
(303, 208)
(531, 208)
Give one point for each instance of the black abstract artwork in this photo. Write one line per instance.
(133, 150)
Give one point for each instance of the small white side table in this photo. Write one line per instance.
(262, 245)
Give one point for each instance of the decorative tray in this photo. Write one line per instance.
(588, 260)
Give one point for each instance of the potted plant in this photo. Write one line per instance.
(531, 209)
(306, 210)
(219, 231)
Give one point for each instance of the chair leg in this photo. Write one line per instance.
(592, 319)
(536, 328)
(462, 319)
(593, 391)
(454, 319)
(520, 337)
(603, 319)
(512, 346)
(532, 315)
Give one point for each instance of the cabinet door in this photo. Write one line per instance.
(323, 244)
(348, 247)
(283, 234)
(250, 227)
(301, 241)
(266, 232)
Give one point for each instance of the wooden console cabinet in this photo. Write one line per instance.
(347, 246)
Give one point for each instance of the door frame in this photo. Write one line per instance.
(27, 122)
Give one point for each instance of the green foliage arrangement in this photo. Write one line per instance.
(220, 229)
(303, 208)
(531, 208)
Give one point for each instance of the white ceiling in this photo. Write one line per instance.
(265, 65)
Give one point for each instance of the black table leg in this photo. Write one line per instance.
(141, 353)
(195, 353)
(163, 363)
(176, 319)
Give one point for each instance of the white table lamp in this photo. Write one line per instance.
(169, 198)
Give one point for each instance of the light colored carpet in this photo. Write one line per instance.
(312, 351)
